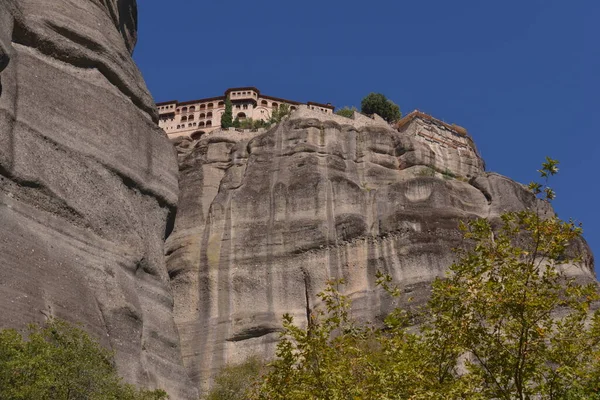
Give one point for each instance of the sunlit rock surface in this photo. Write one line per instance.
(88, 184)
(265, 219)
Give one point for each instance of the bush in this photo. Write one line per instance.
(377, 103)
(447, 174)
(346, 112)
(426, 171)
(235, 382)
(249, 123)
(279, 113)
(59, 361)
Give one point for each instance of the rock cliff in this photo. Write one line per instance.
(88, 184)
(266, 218)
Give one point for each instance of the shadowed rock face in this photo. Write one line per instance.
(88, 184)
(264, 220)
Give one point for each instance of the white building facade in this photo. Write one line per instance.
(204, 115)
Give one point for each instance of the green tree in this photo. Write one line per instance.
(227, 117)
(279, 113)
(59, 361)
(509, 309)
(346, 112)
(377, 103)
(335, 357)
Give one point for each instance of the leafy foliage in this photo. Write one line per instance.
(59, 361)
(511, 310)
(279, 113)
(227, 117)
(346, 112)
(506, 323)
(235, 382)
(249, 123)
(377, 103)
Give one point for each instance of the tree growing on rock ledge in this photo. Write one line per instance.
(377, 103)
(347, 112)
(227, 117)
(279, 113)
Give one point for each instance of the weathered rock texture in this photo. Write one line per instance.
(265, 219)
(88, 184)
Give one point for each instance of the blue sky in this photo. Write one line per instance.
(522, 76)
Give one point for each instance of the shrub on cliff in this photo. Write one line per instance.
(249, 123)
(506, 323)
(346, 112)
(279, 113)
(59, 361)
(377, 103)
(235, 382)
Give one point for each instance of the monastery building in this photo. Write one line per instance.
(185, 118)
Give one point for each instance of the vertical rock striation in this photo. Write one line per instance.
(266, 219)
(88, 184)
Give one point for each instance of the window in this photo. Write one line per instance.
(202, 115)
(292, 108)
(184, 118)
(241, 115)
(178, 126)
(274, 105)
(221, 104)
(209, 115)
(245, 106)
(184, 109)
(210, 105)
(208, 123)
(192, 109)
(264, 103)
(202, 106)
(191, 117)
(194, 124)
(237, 106)
(200, 124)
(189, 125)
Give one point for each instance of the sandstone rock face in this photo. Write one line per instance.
(88, 184)
(265, 219)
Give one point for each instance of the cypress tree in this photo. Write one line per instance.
(227, 117)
